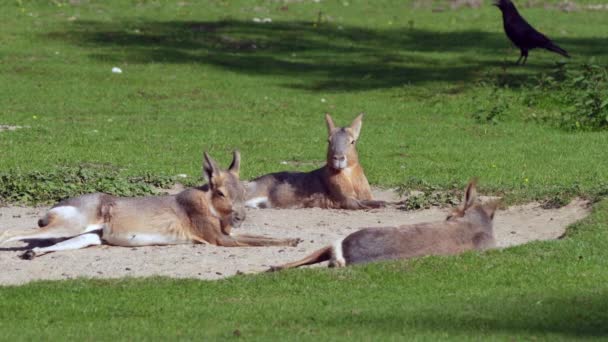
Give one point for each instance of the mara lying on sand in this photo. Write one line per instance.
(466, 228)
(204, 214)
(340, 184)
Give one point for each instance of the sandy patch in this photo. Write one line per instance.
(317, 227)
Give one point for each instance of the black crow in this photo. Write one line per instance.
(522, 34)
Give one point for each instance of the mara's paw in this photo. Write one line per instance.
(29, 255)
(294, 242)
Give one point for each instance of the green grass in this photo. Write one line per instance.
(443, 104)
(193, 81)
(545, 290)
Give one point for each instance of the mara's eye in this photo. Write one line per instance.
(353, 142)
(219, 193)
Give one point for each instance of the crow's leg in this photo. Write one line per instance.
(525, 54)
(521, 55)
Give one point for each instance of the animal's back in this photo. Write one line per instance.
(521, 33)
(385, 243)
(287, 190)
(142, 221)
(408, 241)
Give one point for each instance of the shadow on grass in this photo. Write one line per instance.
(579, 316)
(327, 57)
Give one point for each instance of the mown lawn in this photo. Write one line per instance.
(548, 291)
(205, 76)
(443, 103)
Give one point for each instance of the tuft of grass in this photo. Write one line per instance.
(36, 187)
(580, 91)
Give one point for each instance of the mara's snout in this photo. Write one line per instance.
(339, 162)
(238, 216)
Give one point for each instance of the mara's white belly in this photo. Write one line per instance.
(144, 239)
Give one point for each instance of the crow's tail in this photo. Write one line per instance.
(557, 49)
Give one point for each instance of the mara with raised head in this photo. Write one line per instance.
(204, 214)
(340, 184)
(466, 228)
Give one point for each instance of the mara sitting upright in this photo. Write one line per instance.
(340, 184)
(204, 214)
(466, 228)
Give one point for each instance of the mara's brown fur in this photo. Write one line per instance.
(340, 184)
(466, 228)
(204, 214)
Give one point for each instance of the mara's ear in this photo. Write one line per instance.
(470, 194)
(491, 207)
(355, 126)
(330, 124)
(235, 166)
(210, 169)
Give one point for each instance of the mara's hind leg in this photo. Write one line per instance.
(78, 242)
(49, 232)
(59, 222)
(321, 255)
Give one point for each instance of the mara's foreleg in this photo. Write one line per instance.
(355, 204)
(210, 230)
(251, 241)
(78, 242)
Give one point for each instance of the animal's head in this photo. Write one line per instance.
(227, 192)
(341, 151)
(472, 211)
(503, 4)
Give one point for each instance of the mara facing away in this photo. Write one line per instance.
(340, 184)
(204, 214)
(466, 228)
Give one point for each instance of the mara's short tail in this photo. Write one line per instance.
(557, 49)
(321, 255)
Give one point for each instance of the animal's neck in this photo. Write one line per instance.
(510, 12)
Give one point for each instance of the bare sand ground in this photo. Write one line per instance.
(317, 227)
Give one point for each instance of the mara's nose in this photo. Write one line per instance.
(339, 158)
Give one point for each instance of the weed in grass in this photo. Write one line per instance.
(582, 93)
(493, 110)
(428, 195)
(53, 185)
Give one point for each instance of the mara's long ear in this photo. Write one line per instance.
(235, 166)
(491, 207)
(470, 194)
(210, 169)
(355, 126)
(330, 124)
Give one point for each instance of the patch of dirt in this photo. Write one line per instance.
(317, 227)
(11, 128)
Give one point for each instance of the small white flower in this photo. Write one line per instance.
(116, 70)
(284, 163)
(182, 175)
(257, 20)
(266, 20)
(323, 100)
